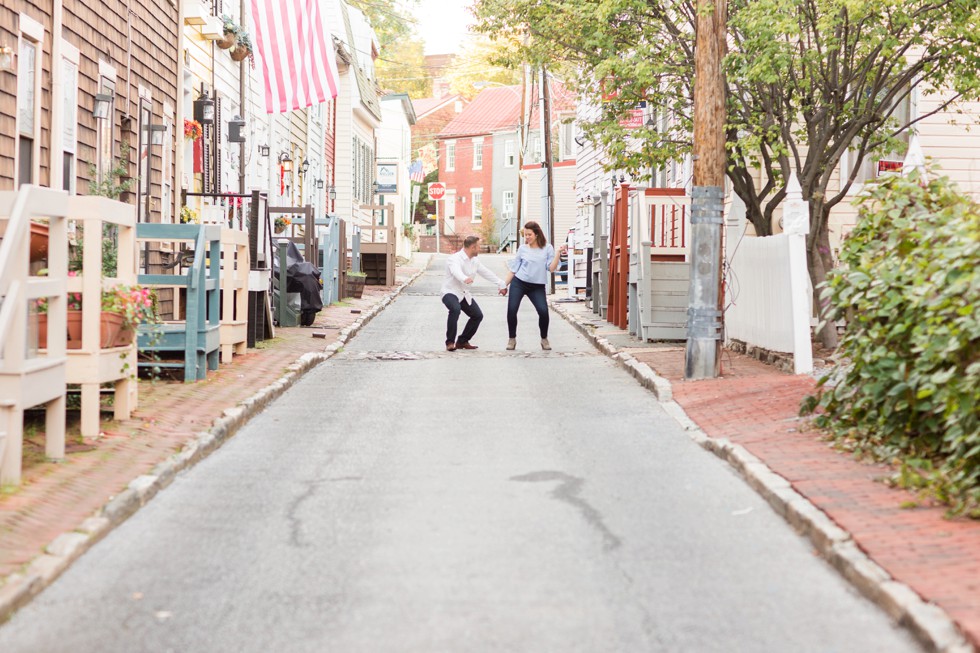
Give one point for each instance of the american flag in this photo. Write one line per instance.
(296, 48)
(415, 172)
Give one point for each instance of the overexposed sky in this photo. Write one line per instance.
(443, 25)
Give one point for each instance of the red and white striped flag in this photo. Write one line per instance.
(297, 53)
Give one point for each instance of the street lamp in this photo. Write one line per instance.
(102, 106)
(204, 108)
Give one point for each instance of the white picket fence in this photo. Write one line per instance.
(767, 294)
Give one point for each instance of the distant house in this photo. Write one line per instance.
(466, 159)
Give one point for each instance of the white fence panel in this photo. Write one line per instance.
(759, 294)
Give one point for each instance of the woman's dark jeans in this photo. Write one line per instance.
(538, 296)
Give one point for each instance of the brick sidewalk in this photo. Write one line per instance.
(58, 497)
(756, 406)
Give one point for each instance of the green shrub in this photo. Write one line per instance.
(909, 384)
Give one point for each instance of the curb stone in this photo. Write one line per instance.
(19, 588)
(927, 622)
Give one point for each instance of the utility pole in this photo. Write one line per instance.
(547, 205)
(522, 128)
(702, 355)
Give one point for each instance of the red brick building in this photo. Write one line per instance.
(466, 160)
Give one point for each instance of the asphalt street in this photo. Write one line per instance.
(405, 498)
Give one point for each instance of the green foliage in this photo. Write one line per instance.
(401, 68)
(487, 231)
(115, 181)
(909, 287)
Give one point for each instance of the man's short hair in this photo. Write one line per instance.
(469, 241)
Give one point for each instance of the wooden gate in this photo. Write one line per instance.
(619, 259)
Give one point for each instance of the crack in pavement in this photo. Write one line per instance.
(296, 523)
(568, 491)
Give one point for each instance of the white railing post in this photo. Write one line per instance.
(796, 225)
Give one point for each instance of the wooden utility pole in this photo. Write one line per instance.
(522, 130)
(702, 356)
(548, 194)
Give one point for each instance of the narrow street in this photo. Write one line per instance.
(405, 498)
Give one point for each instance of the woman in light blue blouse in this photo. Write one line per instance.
(529, 271)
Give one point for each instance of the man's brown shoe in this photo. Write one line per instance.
(450, 346)
(465, 345)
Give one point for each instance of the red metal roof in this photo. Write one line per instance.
(493, 109)
(498, 108)
(425, 105)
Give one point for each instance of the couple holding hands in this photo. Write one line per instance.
(527, 276)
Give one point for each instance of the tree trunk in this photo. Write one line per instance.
(819, 262)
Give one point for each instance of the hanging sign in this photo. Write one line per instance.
(387, 178)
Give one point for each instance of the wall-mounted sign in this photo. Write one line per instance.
(387, 178)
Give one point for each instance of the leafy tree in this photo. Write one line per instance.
(483, 60)
(401, 69)
(807, 81)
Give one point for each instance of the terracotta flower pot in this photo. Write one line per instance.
(42, 330)
(239, 52)
(111, 324)
(39, 241)
(74, 329)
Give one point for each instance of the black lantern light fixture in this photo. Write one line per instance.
(285, 162)
(204, 108)
(304, 167)
(319, 184)
(157, 134)
(263, 150)
(374, 187)
(332, 193)
(6, 57)
(102, 106)
(236, 130)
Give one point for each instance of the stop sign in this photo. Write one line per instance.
(437, 190)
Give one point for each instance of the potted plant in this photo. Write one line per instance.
(280, 224)
(124, 308)
(355, 284)
(192, 130)
(243, 48)
(231, 33)
(189, 215)
(74, 318)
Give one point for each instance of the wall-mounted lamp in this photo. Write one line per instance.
(102, 106)
(332, 193)
(304, 167)
(236, 130)
(650, 122)
(204, 109)
(285, 162)
(6, 57)
(579, 141)
(374, 187)
(319, 184)
(263, 150)
(157, 134)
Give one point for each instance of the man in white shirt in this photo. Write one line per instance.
(461, 268)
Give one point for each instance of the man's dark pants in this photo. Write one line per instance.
(473, 312)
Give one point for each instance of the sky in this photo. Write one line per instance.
(443, 25)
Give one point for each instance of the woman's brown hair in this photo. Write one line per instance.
(539, 235)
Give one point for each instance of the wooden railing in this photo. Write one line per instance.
(28, 376)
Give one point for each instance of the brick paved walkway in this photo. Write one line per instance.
(756, 406)
(57, 497)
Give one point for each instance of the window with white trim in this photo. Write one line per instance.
(874, 165)
(508, 205)
(477, 153)
(103, 162)
(477, 196)
(28, 90)
(69, 136)
(450, 156)
(509, 156)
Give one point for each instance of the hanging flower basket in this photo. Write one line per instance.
(239, 53)
(192, 130)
